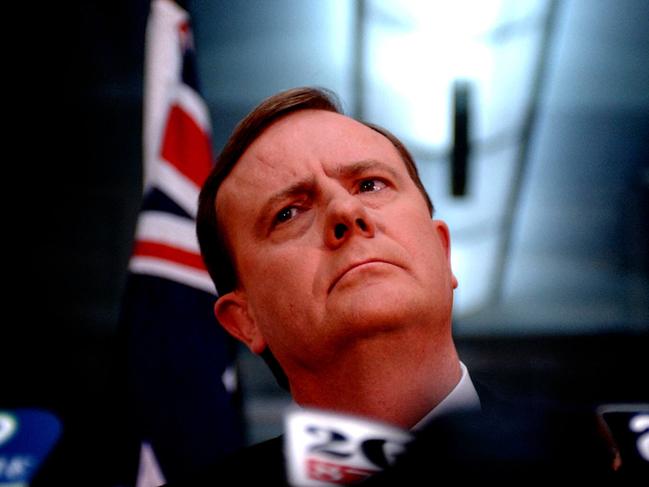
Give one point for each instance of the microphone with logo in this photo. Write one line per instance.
(27, 436)
(324, 448)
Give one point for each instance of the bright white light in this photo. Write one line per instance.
(416, 50)
(473, 265)
(414, 60)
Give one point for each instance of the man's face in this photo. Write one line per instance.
(333, 243)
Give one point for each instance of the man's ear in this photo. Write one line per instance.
(445, 239)
(231, 310)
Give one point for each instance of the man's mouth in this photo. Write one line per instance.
(353, 266)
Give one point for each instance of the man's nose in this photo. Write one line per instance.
(346, 217)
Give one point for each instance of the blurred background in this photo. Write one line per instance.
(528, 119)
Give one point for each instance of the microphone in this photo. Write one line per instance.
(514, 442)
(627, 429)
(26, 438)
(323, 448)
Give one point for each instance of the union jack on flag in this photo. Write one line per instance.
(177, 153)
(179, 360)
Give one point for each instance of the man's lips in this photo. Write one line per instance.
(354, 266)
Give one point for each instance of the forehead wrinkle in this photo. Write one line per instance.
(263, 157)
(302, 186)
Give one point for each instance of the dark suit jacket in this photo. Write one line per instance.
(257, 465)
(508, 442)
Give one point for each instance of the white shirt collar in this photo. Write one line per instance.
(463, 397)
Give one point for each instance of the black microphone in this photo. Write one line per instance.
(516, 444)
(627, 428)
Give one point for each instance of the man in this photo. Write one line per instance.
(317, 232)
(340, 271)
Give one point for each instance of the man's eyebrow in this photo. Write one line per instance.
(358, 168)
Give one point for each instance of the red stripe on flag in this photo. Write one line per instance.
(186, 146)
(145, 248)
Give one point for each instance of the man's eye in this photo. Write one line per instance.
(286, 214)
(369, 185)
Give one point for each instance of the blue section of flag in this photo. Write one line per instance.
(176, 352)
(156, 200)
(189, 70)
(177, 355)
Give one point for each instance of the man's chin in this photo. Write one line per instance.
(375, 303)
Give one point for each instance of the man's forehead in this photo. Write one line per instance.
(291, 143)
(300, 145)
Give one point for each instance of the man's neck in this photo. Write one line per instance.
(397, 381)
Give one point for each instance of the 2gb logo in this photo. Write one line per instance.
(335, 444)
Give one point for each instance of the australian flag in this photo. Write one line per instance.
(180, 361)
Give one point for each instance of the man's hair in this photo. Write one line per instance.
(212, 236)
